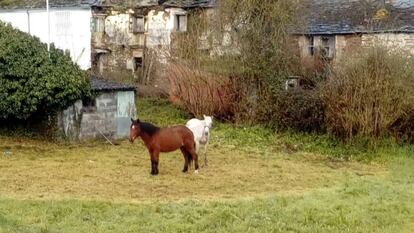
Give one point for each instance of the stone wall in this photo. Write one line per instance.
(110, 116)
(115, 45)
(348, 43)
(403, 41)
(100, 118)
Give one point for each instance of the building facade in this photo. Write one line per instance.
(333, 28)
(69, 25)
(108, 114)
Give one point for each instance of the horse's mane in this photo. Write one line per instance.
(149, 128)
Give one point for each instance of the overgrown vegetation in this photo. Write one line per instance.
(369, 94)
(33, 81)
(237, 58)
(245, 45)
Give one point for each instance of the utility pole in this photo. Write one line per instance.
(48, 25)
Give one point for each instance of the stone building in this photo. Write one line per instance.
(108, 114)
(332, 28)
(130, 37)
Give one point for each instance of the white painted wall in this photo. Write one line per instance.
(69, 29)
(160, 26)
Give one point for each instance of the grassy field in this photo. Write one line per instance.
(257, 181)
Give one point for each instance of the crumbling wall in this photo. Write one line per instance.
(118, 51)
(110, 116)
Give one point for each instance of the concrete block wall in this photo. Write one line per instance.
(88, 122)
(102, 120)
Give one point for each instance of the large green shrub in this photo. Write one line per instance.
(31, 80)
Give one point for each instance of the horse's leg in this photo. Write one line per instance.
(155, 154)
(185, 154)
(205, 153)
(193, 154)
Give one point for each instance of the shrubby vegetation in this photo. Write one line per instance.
(33, 81)
(368, 96)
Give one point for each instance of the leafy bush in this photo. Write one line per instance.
(31, 81)
(300, 110)
(369, 93)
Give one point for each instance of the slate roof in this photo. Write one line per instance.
(356, 16)
(32, 4)
(190, 3)
(167, 3)
(98, 84)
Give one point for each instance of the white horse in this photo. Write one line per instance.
(201, 130)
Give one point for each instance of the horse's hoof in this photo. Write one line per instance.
(196, 171)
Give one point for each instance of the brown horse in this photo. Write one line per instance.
(165, 140)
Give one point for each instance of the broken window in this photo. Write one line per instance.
(328, 46)
(137, 62)
(137, 24)
(99, 60)
(180, 23)
(311, 45)
(98, 23)
(88, 105)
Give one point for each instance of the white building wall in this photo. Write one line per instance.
(69, 29)
(160, 26)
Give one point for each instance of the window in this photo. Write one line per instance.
(98, 23)
(137, 24)
(99, 60)
(137, 62)
(88, 105)
(180, 23)
(328, 46)
(311, 45)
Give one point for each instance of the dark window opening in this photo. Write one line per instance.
(89, 104)
(137, 63)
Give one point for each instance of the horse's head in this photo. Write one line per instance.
(135, 130)
(208, 120)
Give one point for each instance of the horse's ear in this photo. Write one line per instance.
(204, 116)
(132, 120)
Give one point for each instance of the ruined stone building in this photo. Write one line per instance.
(332, 28)
(129, 37)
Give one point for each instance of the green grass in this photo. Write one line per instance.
(257, 181)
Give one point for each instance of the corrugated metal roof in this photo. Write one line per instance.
(98, 84)
(356, 16)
